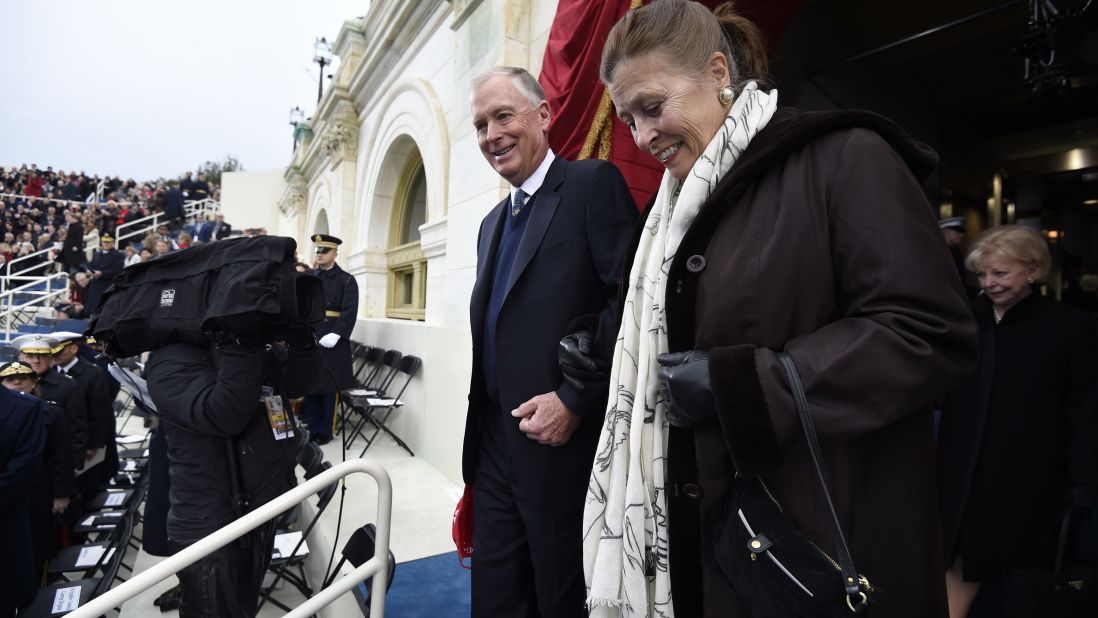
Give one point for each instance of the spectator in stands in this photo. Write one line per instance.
(132, 256)
(162, 247)
(102, 269)
(200, 189)
(218, 228)
(145, 254)
(34, 185)
(71, 191)
(195, 229)
(163, 233)
(108, 220)
(185, 240)
(23, 418)
(72, 257)
(185, 185)
(73, 308)
(173, 205)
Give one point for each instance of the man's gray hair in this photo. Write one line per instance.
(526, 83)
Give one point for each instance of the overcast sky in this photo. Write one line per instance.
(149, 88)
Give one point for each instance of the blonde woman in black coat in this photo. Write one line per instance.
(1019, 439)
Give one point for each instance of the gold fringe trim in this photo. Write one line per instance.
(603, 125)
(599, 133)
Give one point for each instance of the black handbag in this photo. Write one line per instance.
(773, 567)
(1068, 590)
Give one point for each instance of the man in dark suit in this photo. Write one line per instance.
(548, 256)
(215, 230)
(72, 256)
(96, 386)
(333, 335)
(22, 438)
(106, 263)
(173, 205)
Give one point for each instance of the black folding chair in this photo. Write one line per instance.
(358, 400)
(379, 409)
(284, 566)
(360, 548)
(80, 591)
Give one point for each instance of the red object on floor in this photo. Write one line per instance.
(463, 527)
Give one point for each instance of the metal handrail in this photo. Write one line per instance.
(8, 265)
(8, 312)
(153, 221)
(60, 202)
(32, 281)
(376, 567)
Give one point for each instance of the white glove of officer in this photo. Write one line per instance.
(329, 340)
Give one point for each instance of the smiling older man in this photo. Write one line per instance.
(547, 254)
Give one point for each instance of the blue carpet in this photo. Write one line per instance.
(432, 587)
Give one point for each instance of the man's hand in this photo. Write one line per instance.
(59, 505)
(90, 454)
(329, 340)
(547, 420)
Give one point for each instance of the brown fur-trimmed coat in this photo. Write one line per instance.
(820, 242)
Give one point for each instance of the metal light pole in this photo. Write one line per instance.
(296, 117)
(322, 55)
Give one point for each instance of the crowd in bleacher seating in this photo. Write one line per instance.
(42, 209)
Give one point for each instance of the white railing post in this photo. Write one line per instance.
(377, 567)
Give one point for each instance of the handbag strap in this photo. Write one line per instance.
(846, 564)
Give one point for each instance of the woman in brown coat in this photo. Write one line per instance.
(773, 230)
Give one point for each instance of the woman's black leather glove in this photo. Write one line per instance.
(576, 362)
(684, 376)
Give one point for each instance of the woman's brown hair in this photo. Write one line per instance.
(686, 34)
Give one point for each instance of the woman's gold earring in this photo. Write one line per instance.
(725, 95)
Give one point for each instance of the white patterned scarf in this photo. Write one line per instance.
(625, 517)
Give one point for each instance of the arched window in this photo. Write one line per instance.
(407, 296)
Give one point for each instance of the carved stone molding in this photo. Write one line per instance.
(340, 136)
(295, 197)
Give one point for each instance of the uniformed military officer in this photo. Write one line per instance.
(96, 387)
(37, 351)
(22, 438)
(54, 483)
(333, 335)
(106, 263)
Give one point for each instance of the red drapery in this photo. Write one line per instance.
(584, 124)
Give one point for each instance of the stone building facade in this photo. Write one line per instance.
(390, 163)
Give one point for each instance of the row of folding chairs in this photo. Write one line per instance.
(380, 379)
(83, 572)
(291, 538)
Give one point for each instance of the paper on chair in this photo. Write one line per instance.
(89, 556)
(66, 599)
(383, 401)
(130, 439)
(115, 498)
(96, 459)
(285, 543)
(361, 392)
